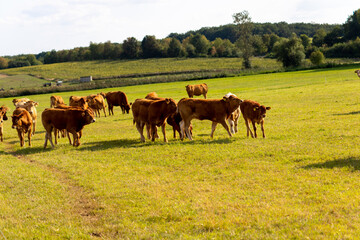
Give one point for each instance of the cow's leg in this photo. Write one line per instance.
(34, 125)
(140, 128)
(174, 131)
(46, 139)
(223, 122)
(29, 136)
(1, 134)
(164, 132)
(104, 111)
(182, 129)
(262, 128)
(205, 95)
(20, 137)
(253, 123)
(236, 125)
(75, 138)
(148, 131)
(213, 127)
(186, 126)
(68, 135)
(248, 130)
(231, 123)
(56, 134)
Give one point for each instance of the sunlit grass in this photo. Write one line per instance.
(302, 181)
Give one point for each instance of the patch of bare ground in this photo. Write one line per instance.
(85, 204)
(3, 75)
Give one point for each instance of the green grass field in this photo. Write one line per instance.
(75, 70)
(301, 182)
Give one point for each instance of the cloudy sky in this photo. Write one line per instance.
(33, 26)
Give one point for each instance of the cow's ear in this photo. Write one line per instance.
(268, 108)
(167, 100)
(225, 99)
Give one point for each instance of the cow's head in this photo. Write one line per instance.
(88, 115)
(171, 104)
(16, 120)
(3, 116)
(232, 101)
(261, 111)
(29, 106)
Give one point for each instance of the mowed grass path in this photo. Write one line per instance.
(302, 181)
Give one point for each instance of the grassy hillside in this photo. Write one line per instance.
(75, 70)
(300, 182)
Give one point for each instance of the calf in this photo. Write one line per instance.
(234, 117)
(73, 120)
(22, 122)
(56, 100)
(197, 90)
(255, 113)
(30, 106)
(152, 113)
(117, 99)
(215, 110)
(3, 118)
(96, 103)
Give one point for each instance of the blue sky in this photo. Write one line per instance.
(33, 26)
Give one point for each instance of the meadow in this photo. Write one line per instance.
(302, 181)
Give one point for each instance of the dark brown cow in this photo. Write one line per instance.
(153, 113)
(3, 118)
(215, 110)
(56, 100)
(73, 120)
(175, 120)
(22, 122)
(117, 99)
(255, 113)
(197, 90)
(97, 102)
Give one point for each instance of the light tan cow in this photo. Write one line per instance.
(197, 90)
(97, 102)
(56, 100)
(30, 106)
(234, 117)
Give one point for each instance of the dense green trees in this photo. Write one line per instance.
(290, 51)
(287, 42)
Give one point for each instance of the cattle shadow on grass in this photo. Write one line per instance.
(349, 113)
(351, 163)
(118, 143)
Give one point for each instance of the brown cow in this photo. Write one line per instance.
(117, 99)
(73, 120)
(255, 113)
(215, 110)
(197, 90)
(30, 106)
(234, 117)
(56, 100)
(75, 101)
(96, 102)
(3, 118)
(357, 72)
(22, 121)
(153, 113)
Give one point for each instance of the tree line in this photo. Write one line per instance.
(289, 43)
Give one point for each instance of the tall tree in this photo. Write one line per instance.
(289, 51)
(352, 26)
(150, 47)
(243, 20)
(130, 48)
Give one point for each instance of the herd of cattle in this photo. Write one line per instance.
(152, 112)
